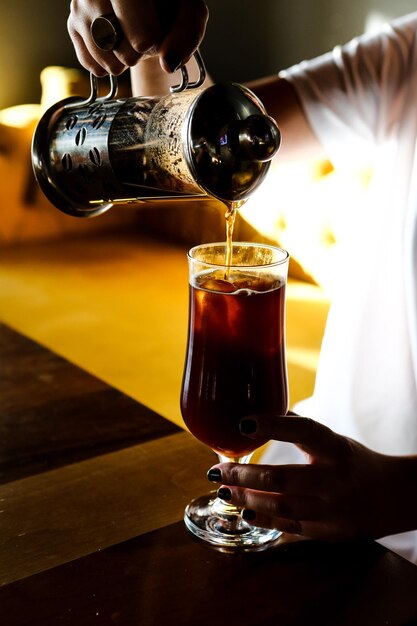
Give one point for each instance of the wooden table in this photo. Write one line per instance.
(92, 491)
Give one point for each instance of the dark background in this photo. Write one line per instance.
(245, 39)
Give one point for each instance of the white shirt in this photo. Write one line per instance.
(361, 102)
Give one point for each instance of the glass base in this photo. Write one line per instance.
(220, 524)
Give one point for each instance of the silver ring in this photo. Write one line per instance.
(106, 32)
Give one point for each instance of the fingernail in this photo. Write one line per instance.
(172, 62)
(215, 475)
(248, 426)
(248, 515)
(224, 494)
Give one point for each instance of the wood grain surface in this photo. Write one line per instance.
(165, 577)
(53, 413)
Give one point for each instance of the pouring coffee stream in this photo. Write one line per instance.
(90, 154)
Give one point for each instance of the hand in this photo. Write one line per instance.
(147, 30)
(344, 491)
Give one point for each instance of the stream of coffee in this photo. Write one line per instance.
(231, 206)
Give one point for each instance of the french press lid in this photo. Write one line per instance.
(231, 141)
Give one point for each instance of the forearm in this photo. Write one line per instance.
(149, 79)
(282, 103)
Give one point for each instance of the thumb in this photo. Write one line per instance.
(310, 436)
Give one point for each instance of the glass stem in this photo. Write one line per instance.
(235, 459)
(228, 514)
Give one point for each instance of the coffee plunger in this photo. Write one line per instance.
(90, 154)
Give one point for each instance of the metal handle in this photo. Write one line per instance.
(93, 93)
(185, 84)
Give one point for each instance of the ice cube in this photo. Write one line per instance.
(217, 284)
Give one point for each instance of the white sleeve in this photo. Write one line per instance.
(354, 95)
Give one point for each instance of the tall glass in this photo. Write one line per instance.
(235, 366)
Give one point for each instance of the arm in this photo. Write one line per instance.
(344, 491)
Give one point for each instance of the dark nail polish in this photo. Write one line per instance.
(224, 494)
(215, 475)
(172, 61)
(248, 426)
(248, 515)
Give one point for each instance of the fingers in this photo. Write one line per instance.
(140, 24)
(149, 27)
(95, 60)
(289, 526)
(185, 35)
(274, 505)
(289, 479)
(83, 55)
(311, 436)
(296, 499)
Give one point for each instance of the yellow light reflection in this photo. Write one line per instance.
(303, 207)
(20, 116)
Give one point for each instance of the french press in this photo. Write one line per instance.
(90, 154)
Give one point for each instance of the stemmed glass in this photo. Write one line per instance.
(235, 366)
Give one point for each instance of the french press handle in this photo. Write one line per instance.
(185, 84)
(182, 86)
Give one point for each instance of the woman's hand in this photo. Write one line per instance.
(173, 30)
(344, 491)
